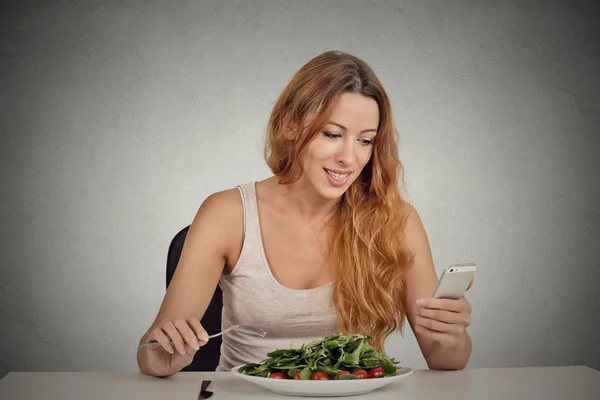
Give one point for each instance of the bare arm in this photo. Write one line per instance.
(442, 350)
(214, 230)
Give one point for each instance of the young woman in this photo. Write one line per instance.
(325, 245)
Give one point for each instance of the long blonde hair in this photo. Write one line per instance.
(368, 251)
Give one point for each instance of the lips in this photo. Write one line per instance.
(336, 179)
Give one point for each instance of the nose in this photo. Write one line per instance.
(345, 155)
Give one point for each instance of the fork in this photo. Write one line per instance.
(255, 331)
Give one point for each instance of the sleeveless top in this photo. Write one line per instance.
(252, 296)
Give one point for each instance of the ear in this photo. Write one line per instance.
(290, 129)
(290, 133)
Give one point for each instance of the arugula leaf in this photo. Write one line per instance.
(388, 365)
(328, 370)
(353, 358)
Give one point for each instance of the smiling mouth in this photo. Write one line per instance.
(336, 176)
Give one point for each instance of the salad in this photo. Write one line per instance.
(335, 357)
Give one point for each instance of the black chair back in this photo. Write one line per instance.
(207, 358)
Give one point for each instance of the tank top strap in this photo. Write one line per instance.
(252, 240)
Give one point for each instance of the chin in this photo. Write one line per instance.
(330, 192)
(333, 194)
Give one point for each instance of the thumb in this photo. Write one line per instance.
(471, 283)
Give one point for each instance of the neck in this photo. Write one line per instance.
(304, 201)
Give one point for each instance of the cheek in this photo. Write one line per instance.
(320, 150)
(313, 157)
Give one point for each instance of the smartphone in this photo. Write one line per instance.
(454, 281)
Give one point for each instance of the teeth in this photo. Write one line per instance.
(337, 177)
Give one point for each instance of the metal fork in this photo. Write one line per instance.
(255, 331)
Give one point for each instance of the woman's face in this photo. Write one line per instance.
(337, 155)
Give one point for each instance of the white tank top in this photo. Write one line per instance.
(252, 296)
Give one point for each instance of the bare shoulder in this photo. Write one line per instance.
(219, 223)
(418, 242)
(225, 206)
(413, 229)
(218, 216)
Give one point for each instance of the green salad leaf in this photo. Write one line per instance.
(330, 355)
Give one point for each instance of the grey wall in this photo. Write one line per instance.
(118, 118)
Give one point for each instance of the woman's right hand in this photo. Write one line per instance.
(178, 340)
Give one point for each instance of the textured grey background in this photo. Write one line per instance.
(119, 117)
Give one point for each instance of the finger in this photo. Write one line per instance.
(438, 326)
(162, 339)
(471, 283)
(445, 339)
(175, 336)
(444, 316)
(198, 330)
(187, 333)
(445, 304)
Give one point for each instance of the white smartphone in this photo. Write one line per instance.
(454, 281)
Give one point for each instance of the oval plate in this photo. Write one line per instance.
(352, 387)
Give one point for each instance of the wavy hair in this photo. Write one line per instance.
(368, 252)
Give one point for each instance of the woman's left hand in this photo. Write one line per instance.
(442, 320)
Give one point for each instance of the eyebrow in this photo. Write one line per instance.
(344, 128)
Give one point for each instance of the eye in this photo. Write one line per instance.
(366, 142)
(332, 135)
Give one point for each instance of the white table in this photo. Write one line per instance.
(547, 383)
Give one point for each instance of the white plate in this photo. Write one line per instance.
(323, 388)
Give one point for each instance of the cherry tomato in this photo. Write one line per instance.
(376, 372)
(278, 375)
(341, 373)
(361, 373)
(320, 376)
(297, 377)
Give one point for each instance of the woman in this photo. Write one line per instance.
(325, 245)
